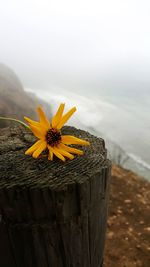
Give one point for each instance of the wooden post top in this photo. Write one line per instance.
(52, 213)
(18, 169)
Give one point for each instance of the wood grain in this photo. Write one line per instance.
(53, 214)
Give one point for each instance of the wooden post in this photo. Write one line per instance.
(52, 214)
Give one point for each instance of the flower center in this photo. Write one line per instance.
(53, 137)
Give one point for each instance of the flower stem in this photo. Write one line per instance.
(11, 119)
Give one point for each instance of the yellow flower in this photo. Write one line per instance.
(50, 137)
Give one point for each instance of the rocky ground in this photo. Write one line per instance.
(128, 233)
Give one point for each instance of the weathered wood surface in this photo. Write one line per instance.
(52, 214)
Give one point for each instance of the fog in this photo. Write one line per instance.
(77, 44)
(70, 50)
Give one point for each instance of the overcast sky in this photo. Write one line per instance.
(76, 38)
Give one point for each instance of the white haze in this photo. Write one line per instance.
(55, 42)
(93, 54)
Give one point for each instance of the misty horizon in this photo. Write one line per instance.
(81, 44)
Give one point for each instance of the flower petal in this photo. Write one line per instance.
(57, 154)
(71, 149)
(39, 150)
(57, 117)
(35, 123)
(38, 132)
(64, 153)
(33, 147)
(50, 156)
(43, 119)
(65, 118)
(69, 139)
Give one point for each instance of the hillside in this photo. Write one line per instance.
(14, 101)
(128, 232)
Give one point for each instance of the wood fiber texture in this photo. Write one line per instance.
(52, 214)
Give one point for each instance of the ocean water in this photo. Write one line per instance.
(123, 121)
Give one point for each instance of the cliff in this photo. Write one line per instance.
(14, 101)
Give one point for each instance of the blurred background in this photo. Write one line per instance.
(91, 54)
(94, 55)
